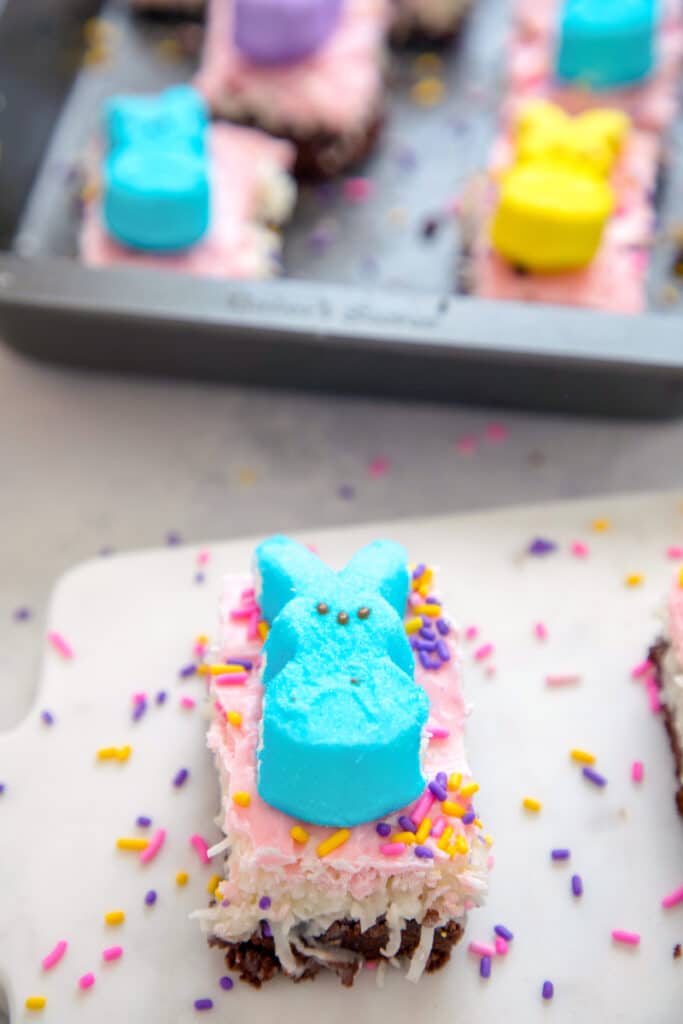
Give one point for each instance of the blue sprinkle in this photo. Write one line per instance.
(594, 777)
(424, 851)
(226, 983)
(142, 821)
(443, 627)
(264, 903)
(427, 662)
(548, 990)
(485, 967)
(504, 932)
(161, 697)
(47, 717)
(139, 710)
(406, 824)
(180, 777)
(425, 645)
(418, 570)
(266, 930)
(540, 546)
(427, 633)
(441, 778)
(559, 854)
(383, 829)
(468, 817)
(442, 650)
(150, 898)
(438, 790)
(187, 670)
(203, 1004)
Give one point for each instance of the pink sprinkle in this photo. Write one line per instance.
(155, 844)
(466, 445)
(139, 698)
(112, 953)
(60, 645)
(248, 592)
(239, 614)
(392, 849)
(627, 938)
(641, 669)
(673, 899)
(202, 847)
(674, 552)
(379, 466)
(437, 732)
(414, 599)
(468, 903)
(490, 861)
(187, 702)
(252, 626)
(86, 981)
(483, 652)
(471, 632)
(198, 650)
(482, 948)
(653, 695)
(637, 771)
(501, 945)
(422, 807)
(495, 432)
(490, 670)
(562, 678)
(203, 557)
(56, 955)
(438, 828)
(357, 190)
(579, 549)
(232, 679)
(541, 631)
(371, 965)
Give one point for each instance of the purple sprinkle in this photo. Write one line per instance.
(203, 1004)
(180, 778)
(548, 990)
(443, 627)
(186, 671)
(504, 932)
(424, 851)
(427, 662)
(383, 828)
(406, 824)
(485, 967)
(577, 885)
(418, 571)
(47, 717)
(150, 897)
(540, 546)
(413, 642)
(2, 788)
(425, 645)
(264, 903)
(22, 614)
(139, 710)
(427, 633)
(442, 650)
(438, 790)
(142, 821)
(266, 930)
(559, 854)
(594, 777)
(244, 662)
(199, 577)
(346, 492)
(441, 778)
(161, 697)
(468, 817)
(173, 538)
(225, 903)
(433, 600)
(226, 983)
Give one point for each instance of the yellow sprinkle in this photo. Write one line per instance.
(469, 789)
(413, 625)
(213, 884)
(423, 589)
(427, 92)
(202, 670)
(455, 780)
(234, 717)
(582, 756)
(478, 823)
(680, 577)
(182, 878)
(445, 839)
(403, 837)
(263, 630)
(426, 62)
(221, 670)
(202, 640)
(453, 810)
(600, 525)
(334, 841)
(107, 753)
(299, 834)
(530, 803)
(35, 1003)
(114, 917)
(132, 843)
(242, 799)
(634, 579)
(432, 611)
(424, 830)
(461, 845)
(488, 839)
(123, 753)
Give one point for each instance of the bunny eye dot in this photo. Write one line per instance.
(364, 613)
(322, 608)
(343, 618)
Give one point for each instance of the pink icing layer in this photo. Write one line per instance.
(238, 155)
(615, 279)
(266, 830)
(651, 105)
(337, 89)
(676, 618)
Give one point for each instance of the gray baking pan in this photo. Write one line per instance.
(366, 302)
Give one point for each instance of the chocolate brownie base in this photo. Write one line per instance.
(656, 657)
(256, 961)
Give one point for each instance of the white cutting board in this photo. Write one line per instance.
(131, 620)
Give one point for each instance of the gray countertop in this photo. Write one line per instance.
(91, 462)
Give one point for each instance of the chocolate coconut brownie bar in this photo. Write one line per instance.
(350, 835)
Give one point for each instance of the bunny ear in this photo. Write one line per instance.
(286, 570)
(382, 566)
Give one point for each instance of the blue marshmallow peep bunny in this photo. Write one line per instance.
(343, 716)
